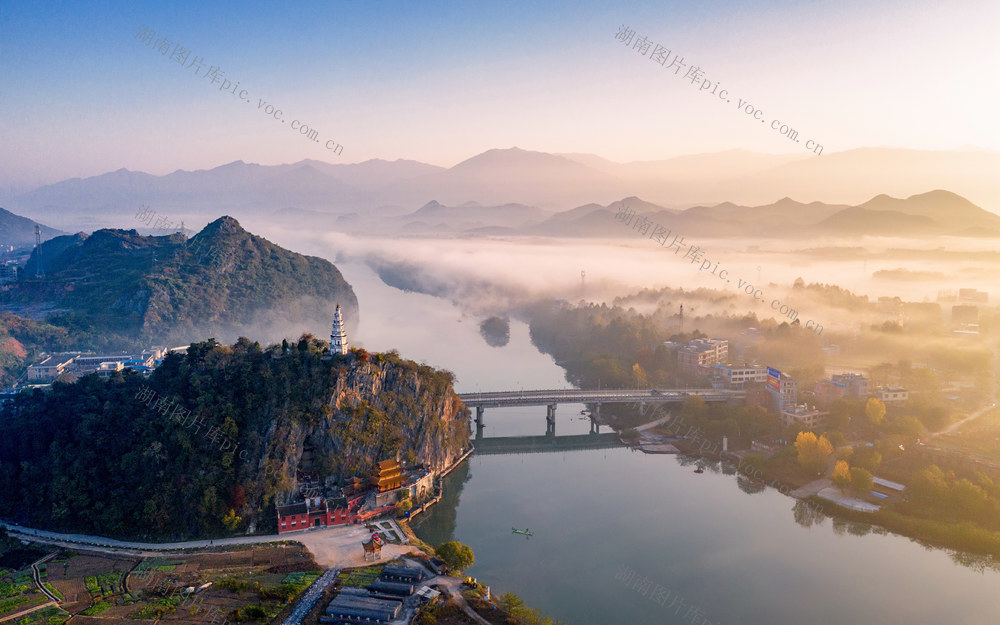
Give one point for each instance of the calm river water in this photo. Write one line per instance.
(698, 547)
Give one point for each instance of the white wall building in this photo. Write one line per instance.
(892, 393)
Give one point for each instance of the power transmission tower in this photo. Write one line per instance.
(38, 251)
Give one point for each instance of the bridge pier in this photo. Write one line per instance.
(550, 419)
(480, 422)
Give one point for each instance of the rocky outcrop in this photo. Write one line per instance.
(379, 408)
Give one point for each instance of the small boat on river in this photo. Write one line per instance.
(525, 531)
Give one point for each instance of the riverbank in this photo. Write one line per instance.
(958, 536)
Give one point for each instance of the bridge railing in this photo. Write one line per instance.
(603, 395)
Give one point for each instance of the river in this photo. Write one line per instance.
(624, 537)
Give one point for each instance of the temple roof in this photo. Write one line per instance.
(293, 508)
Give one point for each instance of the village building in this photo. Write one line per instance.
(49, 368)
(892, 394)
(104, 365)
(783, 388)
(730, 376)
(703, 352)
(803, 416)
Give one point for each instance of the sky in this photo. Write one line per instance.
(82, 94)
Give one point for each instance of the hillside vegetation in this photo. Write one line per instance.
(211, 441)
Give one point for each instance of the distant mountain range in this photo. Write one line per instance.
(538, 182)
(929, 214)
(120, 286)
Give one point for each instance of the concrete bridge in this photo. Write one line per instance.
(495, 445)
(553, 397)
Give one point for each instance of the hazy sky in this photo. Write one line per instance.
(442, 81)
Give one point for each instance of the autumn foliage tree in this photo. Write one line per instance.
(639, 376)
(841, 474)
(875, 410)
(812, 451)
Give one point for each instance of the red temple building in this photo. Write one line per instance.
(348, 507)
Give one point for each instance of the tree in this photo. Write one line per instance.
(231, 521)
(867, 458)
(812, 451)
(841, 474)
(836, 438)
(456, 556)
(510, 603)
(861, 480)
(639, 376)
(875, 410)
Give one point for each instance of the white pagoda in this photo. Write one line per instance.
(338, 338)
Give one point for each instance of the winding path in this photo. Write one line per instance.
(958, 424)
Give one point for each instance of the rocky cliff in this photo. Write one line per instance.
(380, 407)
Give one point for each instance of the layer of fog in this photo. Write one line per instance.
(487, 276)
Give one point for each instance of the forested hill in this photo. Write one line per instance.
(211, 441)
(120, 285)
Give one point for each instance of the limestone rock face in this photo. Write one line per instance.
(379, 408)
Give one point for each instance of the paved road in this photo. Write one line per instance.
(111, 544)
(339, 545)
(452, 587)
(311, 596)
(996, 398)
(37, 575)
(11, 617)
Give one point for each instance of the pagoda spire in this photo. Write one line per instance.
(338, 338)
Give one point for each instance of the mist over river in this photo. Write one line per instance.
(624, 537)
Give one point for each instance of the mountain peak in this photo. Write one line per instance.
(224, 224)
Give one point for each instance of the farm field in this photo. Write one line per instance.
(252, 585)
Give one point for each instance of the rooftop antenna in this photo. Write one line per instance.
(682, 317)
(38, 251)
